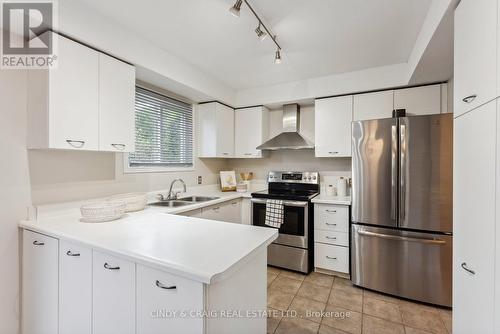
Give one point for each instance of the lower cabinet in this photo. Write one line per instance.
(75, 289)
(227, 211)
(246, 211)
(39, 284)
(168, 303)
(113, 297)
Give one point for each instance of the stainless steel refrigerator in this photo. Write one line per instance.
(401, 232)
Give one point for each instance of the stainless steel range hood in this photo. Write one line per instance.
(290, 138)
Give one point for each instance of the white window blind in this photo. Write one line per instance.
(164, 131)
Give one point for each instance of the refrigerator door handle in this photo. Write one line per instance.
(402, 166)
(394, 170)
(399, 238)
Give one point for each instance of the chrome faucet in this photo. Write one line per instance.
(174, 195)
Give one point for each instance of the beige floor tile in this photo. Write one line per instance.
(319, 279)
(313, 291)
(422, 317)
(297, 326)
(417, 306)
(382, 309)
(273, 270)
(270, 278)
(380, 296)
(446, 316)
(278, 300)
(346, 285)
(323, 329)
(273, 319)
(346, 299)
(292, 274)
(411, 330)
(307, 308)
(286, 284)
(373, 325)
(343, 319)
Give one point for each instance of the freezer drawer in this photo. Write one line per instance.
(407, 264)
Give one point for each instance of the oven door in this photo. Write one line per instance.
(294, 230)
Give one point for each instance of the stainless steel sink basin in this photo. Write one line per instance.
(197, 199)
(171, 203)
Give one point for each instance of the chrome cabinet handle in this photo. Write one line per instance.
(216, 209)
(331, 238)
(166, 287)
(248, 153)
(470, 271)
(470, 98)
(106, 265)
(331, 258)
(70, 253)
(120, 147)
(224, 153)
(234, 203)
(38, 243)
(76, 143)
(333, 152)
(331, 211)
(330, 224)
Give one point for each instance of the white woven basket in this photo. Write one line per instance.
(105, 211)
(133, 201)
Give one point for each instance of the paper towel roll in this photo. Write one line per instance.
(341, 187)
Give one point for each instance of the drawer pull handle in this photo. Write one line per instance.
(224, 153)
(216, 209)
(331, 224)
(470, 271)
(331, 258)
(106, 265)
(70, 253)
(248, 153)
(161, 286)
(332, 238)
(469, 98)
(38, 243)
(333, 152)
(331, 211)
(76, 143)
(120, 147)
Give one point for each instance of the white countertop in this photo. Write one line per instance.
(323, 199)
(199, 249)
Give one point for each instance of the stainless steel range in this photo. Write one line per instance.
(293, 249)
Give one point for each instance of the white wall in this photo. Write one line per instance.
(14, 191)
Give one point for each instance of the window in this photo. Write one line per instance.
(163, 133)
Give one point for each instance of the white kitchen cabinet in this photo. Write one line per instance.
(39, 284)
(331, 257)
(63, 102)
(191, 213)
(246, 211)
(159, 292)
(215, 129)
(116, 105)
(474, 220)
(113, 295)
(423, 100)
(333, 117)
(251, 129)
(374, 105)
(476, 54)
(229, 211)
(75, 289)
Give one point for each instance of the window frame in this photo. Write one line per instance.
(127, 169)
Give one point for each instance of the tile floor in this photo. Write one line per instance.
(322, 304)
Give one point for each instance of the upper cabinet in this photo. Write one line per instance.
(475, 56)
(373, 105)
(251, 126)
(215, 129)
(88, 97)
(333, 117)
(423, 100)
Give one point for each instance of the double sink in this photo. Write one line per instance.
(174, 203)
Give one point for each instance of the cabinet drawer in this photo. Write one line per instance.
(331, 257)
(331, 217)
(160, 293)
(331, 237)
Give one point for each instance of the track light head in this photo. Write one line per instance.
(235, 9)
(277, 57)
(260, 33)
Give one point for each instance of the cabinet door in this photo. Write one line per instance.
(225, 131)
(424, 100)
(113, 295)
(373, 105)
(250, 130)
(116, 105)
(212, 212)
(246, 211)
(161, 297)
(75, 289)
(475, 73)
(232, 211)
(73, 97)
(474, 220)
(39, 284)
(333, 117)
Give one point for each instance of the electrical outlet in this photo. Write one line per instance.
(200, 180)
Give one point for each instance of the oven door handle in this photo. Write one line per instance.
(298, 204)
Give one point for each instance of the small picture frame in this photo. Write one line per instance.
(228, 180)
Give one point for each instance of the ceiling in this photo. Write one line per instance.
(318, 37)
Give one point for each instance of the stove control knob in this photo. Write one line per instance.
(314, 178)
(309, 178)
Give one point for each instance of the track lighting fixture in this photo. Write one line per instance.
(260, 34)
(235, 10)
